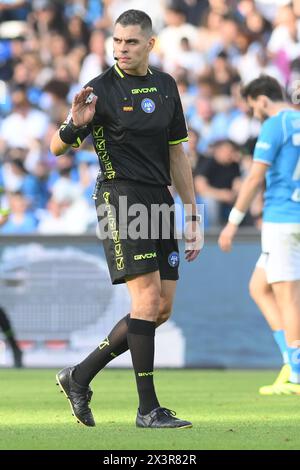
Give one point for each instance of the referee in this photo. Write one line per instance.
(136, 120)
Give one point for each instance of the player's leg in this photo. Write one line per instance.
(9, 334)
(145, 292)
(108, 349)
(283, 274)
(288, 298)
(263, 295)
(145, 297)
(74, 381)
(79, 377)
(167, 294)
(116, 343)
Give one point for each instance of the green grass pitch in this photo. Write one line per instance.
(224, 406)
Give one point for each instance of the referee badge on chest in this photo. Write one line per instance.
(148, 105)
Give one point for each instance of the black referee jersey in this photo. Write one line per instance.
(136, 119)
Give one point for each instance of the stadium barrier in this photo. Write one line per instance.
(57, 292)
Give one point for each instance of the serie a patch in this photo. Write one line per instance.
(127, 108)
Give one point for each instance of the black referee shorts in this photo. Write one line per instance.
(136, 243)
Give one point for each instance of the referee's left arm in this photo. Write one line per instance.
(182, 179)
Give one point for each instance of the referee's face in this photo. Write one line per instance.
(131, 48)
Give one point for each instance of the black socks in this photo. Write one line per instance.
(138, 335)
(111, 347)
(141, 344)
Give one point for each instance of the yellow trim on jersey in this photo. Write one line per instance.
(174, 142)
(118, 71)
(77, 143)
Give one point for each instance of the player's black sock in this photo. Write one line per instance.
(111, 347)
(7, 330)
(141, 344)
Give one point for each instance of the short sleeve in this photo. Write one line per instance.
(269, 141)
(178, 129)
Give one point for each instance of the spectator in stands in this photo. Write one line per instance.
(176, 29)
(216, 180)
(78, 31)
(193, 9)
(191, 150)
(94, 63)
(284, 41)
(68, 212)
(65, 168)
(209, 31)
(15, 178)
(56, 92)
(21, 220)
(25, 123)
(55, 47)
(52, 221)
(47, 17)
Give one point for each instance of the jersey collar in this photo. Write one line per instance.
(122, 74)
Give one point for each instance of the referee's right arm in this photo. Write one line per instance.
(82, 112)
(57, 146)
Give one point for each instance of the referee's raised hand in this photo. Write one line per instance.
(83, 109)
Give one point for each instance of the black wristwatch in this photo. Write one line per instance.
(193, 218)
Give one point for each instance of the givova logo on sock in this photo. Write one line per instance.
(145, 374)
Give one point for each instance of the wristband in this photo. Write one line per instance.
(193, 218)
(236, 216)
(69, 132)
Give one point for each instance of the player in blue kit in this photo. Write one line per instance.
(275, 283)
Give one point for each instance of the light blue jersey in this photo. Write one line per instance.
(278, 146)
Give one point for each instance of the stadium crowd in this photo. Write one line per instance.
(50, 49)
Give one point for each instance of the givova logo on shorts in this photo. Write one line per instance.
(144, 256)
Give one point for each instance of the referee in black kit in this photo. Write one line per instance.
(135, 116)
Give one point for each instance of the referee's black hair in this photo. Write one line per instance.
(263, 85)
(136, 17)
